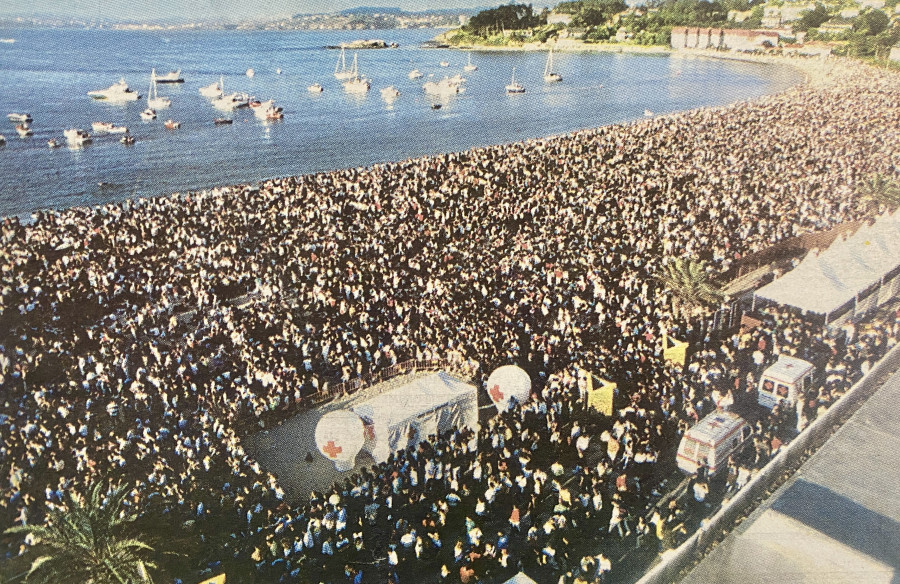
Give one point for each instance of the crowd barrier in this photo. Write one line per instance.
(813, 436)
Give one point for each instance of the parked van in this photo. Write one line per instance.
(711, 441)
(786, 379)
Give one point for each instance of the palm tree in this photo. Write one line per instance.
(690, 284)
(877, 189)
(89, 542)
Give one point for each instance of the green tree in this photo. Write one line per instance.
(877, 190)
(871, 22)
(507, 17)
(812, 18)
(90, 542)
(690, 284)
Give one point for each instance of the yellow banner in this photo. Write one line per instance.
(220, 579)
(600, 394)
(674, 350)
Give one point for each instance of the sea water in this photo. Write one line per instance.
(48, 72)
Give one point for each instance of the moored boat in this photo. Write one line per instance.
(127, 139)
(108, 128)
(53, 143)
(153, 99)
(274, 113)
(24, 130)
(170, 77)
(76, 137)
(390, 92)
(148, 114)
(116, 92)
(222, 121)
(513, 86)
(549, 75)
(24, 118)
(315, 88)
(172, 125)
(213, 89)
(415, 74)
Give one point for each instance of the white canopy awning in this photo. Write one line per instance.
(827, 281)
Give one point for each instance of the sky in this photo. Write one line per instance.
(206, 9)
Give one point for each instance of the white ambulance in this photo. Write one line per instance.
(711, 441)
(786, 379)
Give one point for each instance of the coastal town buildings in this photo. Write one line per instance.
(722, 38)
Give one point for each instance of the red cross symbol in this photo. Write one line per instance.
(496, 394)
(331, 449)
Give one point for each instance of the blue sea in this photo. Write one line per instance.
(48, 72)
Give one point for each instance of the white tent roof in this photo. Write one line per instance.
(415, 398)
(823, 283)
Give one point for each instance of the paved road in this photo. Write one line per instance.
(836, 521)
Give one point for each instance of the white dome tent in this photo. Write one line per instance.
(340, 436)
(507, 383)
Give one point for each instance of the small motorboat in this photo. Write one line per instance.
(127, 139)
(315, 88)
(415, 74)
(277, 71)
(445, 63)
(76, 137)
(108, 128)
(170, 77)
(390, 92)
(172, 125)
(274, 113)
(2, 140)
(23, 118)
(648, 113)
(148, 114)
(250, 73)
(24, 130)
(222, 121)
(435, 106)
(53, 143)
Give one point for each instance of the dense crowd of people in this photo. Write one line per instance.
(142, 339)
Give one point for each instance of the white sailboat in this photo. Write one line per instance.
(153, 100)
(469, 66)
(514, 87)
(549, 75)
(356, 84)
(340, 68)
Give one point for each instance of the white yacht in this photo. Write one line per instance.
(108, 128)
(341, 72)
(148, 114)
(261, 107)
(549, 75)
(469, 66)
(250, 73)
(153, 100)
(76, 137)
(390, 92)
(315, 88)
(415, 74)
(24, 130)
(116, 92)
(513, 86)
(213, 89)
(445, 63)
(170, 77)
(357, 85)
(23, 118)
(446, 86)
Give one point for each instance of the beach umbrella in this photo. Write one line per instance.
(339, 437)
